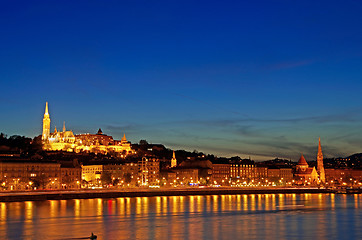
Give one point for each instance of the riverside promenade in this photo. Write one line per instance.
(144, 192)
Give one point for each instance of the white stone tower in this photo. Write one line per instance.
(46, 124)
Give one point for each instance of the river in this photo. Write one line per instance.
(255, 216)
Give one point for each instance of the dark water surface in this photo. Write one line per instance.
(258, 216)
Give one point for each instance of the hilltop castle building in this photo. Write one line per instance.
(67, 141)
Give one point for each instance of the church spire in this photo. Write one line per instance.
(320, 154)
(64, 126)
(173, 160)
(124, 139)
(320, 167)
(46, 124)
(46, 113)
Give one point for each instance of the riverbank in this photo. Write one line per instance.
(87, 194)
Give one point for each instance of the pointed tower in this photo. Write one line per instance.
(55, 129)
(173, 160)
(64, 126)
(46, 124)
(124, 139)
(320, 167)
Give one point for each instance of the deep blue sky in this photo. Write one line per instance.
(250, 78)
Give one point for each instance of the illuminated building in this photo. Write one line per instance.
(130, 173)
(303, 173)
(273, 173)
(173, 160)
(286, 174)
(276, 174)
(185, 176)
(67, 141)
(168, 177)
(126, 174)
(149, 169)
(320, 167)
(243, 170)
(101, 143)
(59, 140)
(20, 174)
(221, 173)
(202, 165)
(95, 139)
(338, 176)
(71, 175)
(309, 174)
(261, 172)
(92, 173)
(247, 170)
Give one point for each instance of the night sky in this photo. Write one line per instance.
(251, 78)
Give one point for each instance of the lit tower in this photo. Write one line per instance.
(173, 160)
(320, 167)
(46, 124)
(124, 139)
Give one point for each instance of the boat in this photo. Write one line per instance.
(93, 236)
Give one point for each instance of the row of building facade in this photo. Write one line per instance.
(26, 174)
(23, 174)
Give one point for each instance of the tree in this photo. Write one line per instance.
(115, 182)
(84, 183)
(67, 180)
(41, 181)
(106, 178)
(127, 177)
(143, 142)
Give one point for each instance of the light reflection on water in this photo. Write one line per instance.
(255, 216)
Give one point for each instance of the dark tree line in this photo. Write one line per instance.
(15, 141)
(22, 144)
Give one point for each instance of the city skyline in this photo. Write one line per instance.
(251, 79)
(48, 131)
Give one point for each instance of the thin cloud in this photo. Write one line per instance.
(262, 147)
(258, 138)
(342, 117)
(215, 106)
(290, 64)
(128, 127)
(247, 131)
